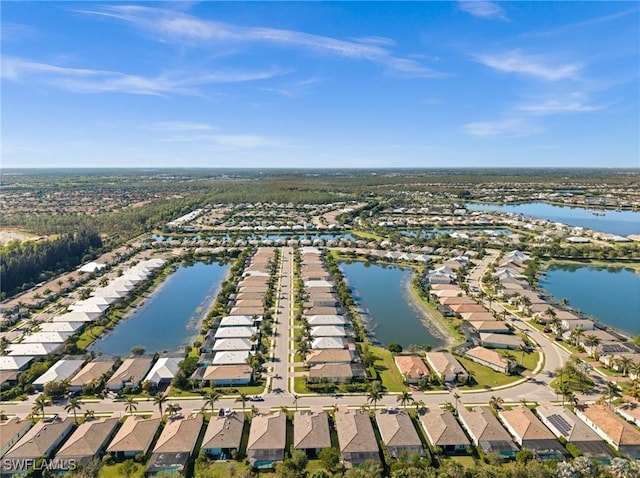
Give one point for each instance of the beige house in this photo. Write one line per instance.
(489, 358)
(11, 431)
(175, 446)
(446, 367)
(267, 439)
(613, 429)
(398, 433)
(87, 442)
(443, 431)
(356, 438)
(412, 368)
(311, 431)
(223, 436)
(486, 431)
(135, 436)
(529, 432)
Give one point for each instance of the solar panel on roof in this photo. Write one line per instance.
(561, 424)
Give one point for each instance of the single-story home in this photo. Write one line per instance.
(11, 431)
(311, 431)
(316, 357)
(489, 326)
(225, 375)
(267, 439)
(87, 442)
(61, 370)
(223, 436)
(501, 341)
(412, 368)
(443, 430)
(489, 358)
(134, 436)
(446, 367)
(337, 372)
(398, 433)
(356, 438)
(615, 430)
(92, 372)
(486, 431)
(529, 432)
(175, 446)
(130, 373)
(163, 370)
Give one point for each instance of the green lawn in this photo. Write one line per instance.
(222, 469)
(385, 366)
(299, 385)
(367, 235)
(114, 471)
(530, 359)
(484, 376)
(449, 324)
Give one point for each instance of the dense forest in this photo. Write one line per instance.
(23, 263)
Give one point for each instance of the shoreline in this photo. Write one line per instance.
(432, 324)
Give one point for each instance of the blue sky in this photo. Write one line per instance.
(265, 84)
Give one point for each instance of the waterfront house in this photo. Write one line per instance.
(630, 412)
(175, 446)
(486, 432)
(446, 367)
(87, 442)
(412, 368)
(239, 321)
(398, 433)
(564, 423)
(501, 341)
(529, 432)
(134, 436)
(235, 332)
(230, 345)
(615, 430)
(223, 436)
(60, 326)
(328, 331)
(163, 371)
(46, 337)
(570, 324)
(489, 358)
(61, 370)
(225, 375)
(14, 363)
(129, 374)
(328, 343)
(236, 357)
(317, 320)
(34, 349)
(267, 439)
(321, 356)
(489, 326)
(39, 442)
(311, 431)
(443, 431)
(11, 431)
(356, 438)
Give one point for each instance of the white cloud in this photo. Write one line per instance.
(482, 9)
(81, 80)
(573, 103)
(178, 126)
(512, 127)
(175, 26)
(530, 65)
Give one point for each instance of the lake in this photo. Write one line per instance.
(622, 223)
(171, 315)
(612, 295)
(381, 292)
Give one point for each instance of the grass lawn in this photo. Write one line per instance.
(450, 325)
(367, 235)
(530, 359)
(484, 376)
(114, 471)
(223, 469)
(466, 461)
(390, 375)
(299, 386)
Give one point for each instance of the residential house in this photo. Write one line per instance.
(130, 373)
(175, 446)
(356, 438)
(92, 373)
(398, 433)
(311, 431)
(34, 350)
(134, 436)
(486, 432)
(267, 439)
(489, 326)
(501, 341)
(11, 431)
(613, 429)
(61, 370)
(87, 442)
(630, 412)
(412, 368)
(316, 357)
(328, 343)
(446, 367)
(489, 358)
(443, 431)
(163, 370)
(564, 423)
(529, 432)
(225, 375)
(39, 442)
(223, 436)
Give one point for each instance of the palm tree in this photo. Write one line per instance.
(295, 400)
(173, 409)
(569, 396)
(131, 405)
(39, 404)
(374, 394)
(457, 397)
(405, 398)
(592, 341)
(242, 397)
(624, 363)
(634, 369)
(160, 399)
(611, 392)
(211, 398)
(634, 390)
(89, 415)
(4, 344)
(496, 402)
(575, 335)
(73, 405)
(303, 349)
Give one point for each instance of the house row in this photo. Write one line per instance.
(333, 355)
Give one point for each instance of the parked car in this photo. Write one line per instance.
(256, 398)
